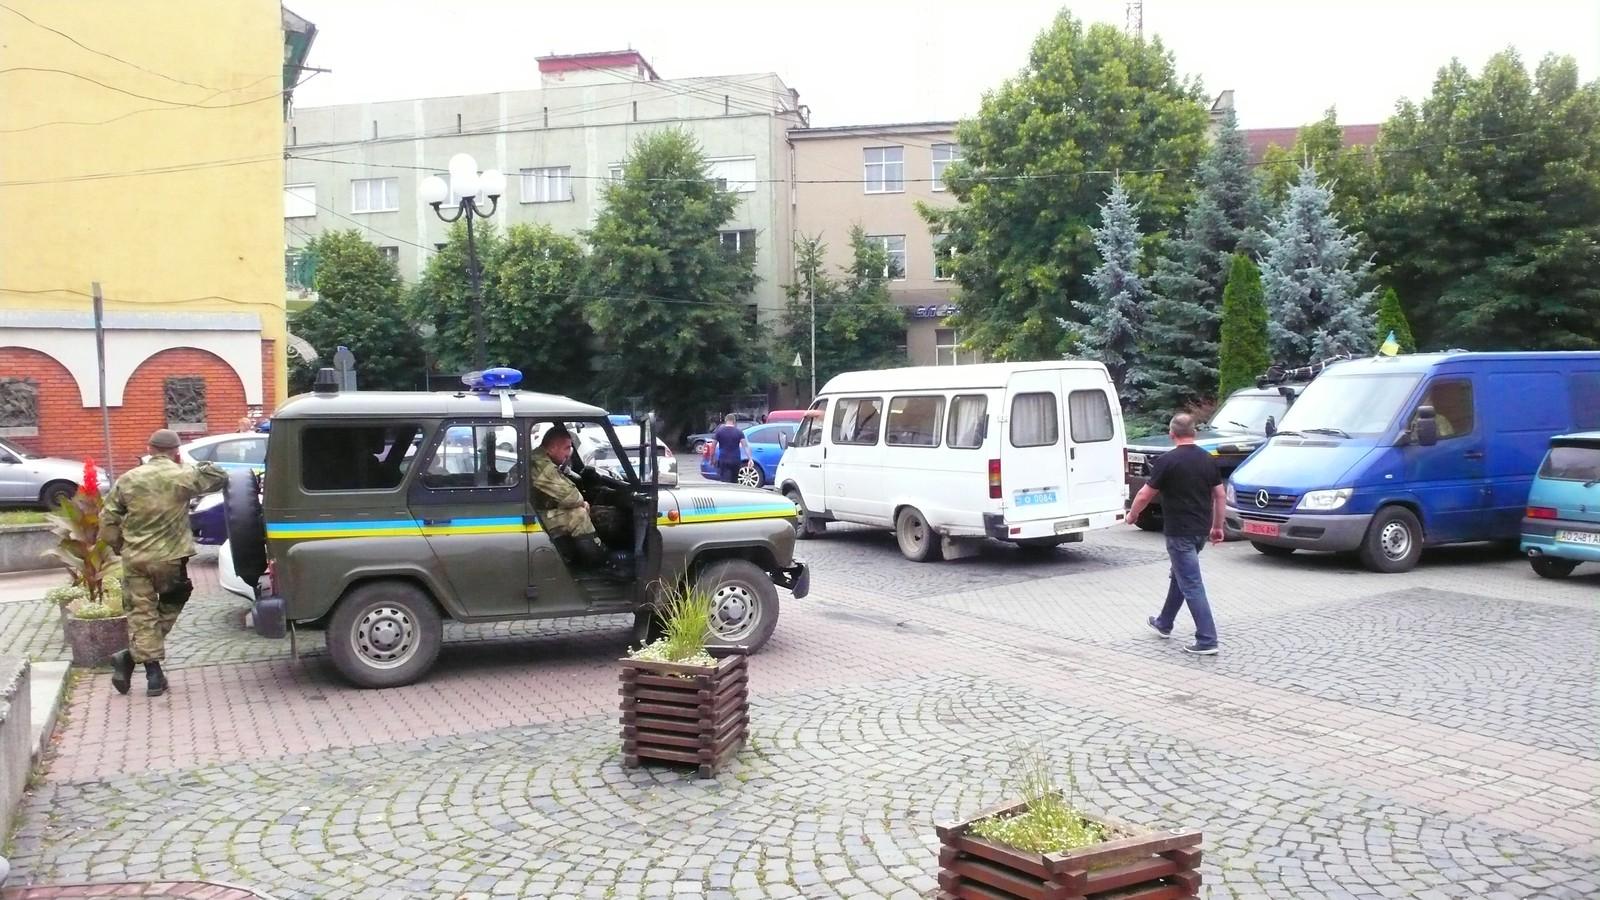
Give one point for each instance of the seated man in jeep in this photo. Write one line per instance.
(562, 509)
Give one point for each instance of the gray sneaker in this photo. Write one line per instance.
(1201, 649)
(1157, 628)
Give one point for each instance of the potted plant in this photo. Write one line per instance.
(1044, 846)
(680, 705)
(92, 606)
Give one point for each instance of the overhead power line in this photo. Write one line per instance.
(204, 104)
(97, 52)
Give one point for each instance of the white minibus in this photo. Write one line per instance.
(949, 455)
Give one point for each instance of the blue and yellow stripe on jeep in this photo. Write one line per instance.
(700, 514)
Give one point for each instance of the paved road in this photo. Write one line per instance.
(1425, 735)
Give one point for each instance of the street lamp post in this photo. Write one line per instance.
(469, 191)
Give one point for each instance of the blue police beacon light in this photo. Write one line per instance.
(500, 378)
(619, 419)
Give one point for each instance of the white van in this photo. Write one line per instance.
(947, 455)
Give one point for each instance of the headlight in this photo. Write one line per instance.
(1233, 499)
(1323, 501)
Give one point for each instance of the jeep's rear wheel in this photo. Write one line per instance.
(247, 528)
(385, 634)
(744, 605)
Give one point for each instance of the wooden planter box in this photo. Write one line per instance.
(696, 715)
(1148, 865)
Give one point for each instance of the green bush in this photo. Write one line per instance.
(95, 611)
(1051, 823)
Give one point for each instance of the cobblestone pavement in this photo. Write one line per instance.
(1426, 735)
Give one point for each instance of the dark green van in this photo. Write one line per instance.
(386, 513)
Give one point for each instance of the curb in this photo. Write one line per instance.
(54, 671)
(191, 890)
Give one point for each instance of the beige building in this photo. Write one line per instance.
(359, 165)
(873, 176)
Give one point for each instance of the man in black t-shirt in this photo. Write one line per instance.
(1192, 501)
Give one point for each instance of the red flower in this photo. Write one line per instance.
(91, 479)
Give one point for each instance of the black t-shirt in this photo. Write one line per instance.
(1185, 476)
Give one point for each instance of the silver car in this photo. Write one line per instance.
(39, 480)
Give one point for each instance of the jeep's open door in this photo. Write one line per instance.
(646, 527)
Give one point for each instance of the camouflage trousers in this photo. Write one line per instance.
(154, 594)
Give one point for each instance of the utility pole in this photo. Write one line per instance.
(1135, 19)
(811, 294)
(100, 364)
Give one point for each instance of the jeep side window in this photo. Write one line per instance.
(472, 456)
(354, 457)
(810, 433)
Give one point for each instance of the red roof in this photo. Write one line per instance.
(611, 59)
(1259, 139)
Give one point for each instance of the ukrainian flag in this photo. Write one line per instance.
(1390, 346)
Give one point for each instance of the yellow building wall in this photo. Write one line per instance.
(172, 195)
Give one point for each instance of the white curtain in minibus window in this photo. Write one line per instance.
(1089, 415)
(1033, 420)
(966, 421)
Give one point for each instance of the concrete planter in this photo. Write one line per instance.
(25, 548)
(16, 756)
(94, 640)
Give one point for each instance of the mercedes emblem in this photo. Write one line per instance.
(1261, 498)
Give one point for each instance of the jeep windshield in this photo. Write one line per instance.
(1244, 412)
(1349, 405)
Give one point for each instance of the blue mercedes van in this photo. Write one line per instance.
(1384, 456)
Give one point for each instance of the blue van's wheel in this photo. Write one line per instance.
(1393, 542)
(1550, 567)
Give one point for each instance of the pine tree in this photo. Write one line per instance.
(1225, 218)
(1114, 317)
(1312, 281)
(1391, 318)
(1244, 353)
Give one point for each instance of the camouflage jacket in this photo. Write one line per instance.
(560, 505)
(146, 517)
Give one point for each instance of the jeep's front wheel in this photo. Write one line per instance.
(744, 605)
(385, 634)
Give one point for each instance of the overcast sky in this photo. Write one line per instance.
(881, 61)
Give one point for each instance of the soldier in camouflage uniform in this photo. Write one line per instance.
(562, 509)
(146, 521)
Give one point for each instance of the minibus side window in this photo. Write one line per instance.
(857, 420)
(968, 416)
(810, 431)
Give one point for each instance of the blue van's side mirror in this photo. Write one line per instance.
(1427, 427)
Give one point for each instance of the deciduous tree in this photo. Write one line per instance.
(359, 306)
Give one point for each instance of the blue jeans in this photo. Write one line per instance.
(1184, 583)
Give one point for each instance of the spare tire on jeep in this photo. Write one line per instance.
(247, 527)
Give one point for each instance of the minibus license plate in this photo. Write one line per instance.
(1066, 525)
(1579, 537)
(1265, 529)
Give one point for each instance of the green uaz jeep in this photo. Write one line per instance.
(385, 513)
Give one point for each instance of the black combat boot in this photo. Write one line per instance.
(155, 679)
(121, 671)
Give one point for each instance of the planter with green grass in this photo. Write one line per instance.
(1042, 847)
(679, 704)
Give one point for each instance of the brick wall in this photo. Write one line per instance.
(68, 428)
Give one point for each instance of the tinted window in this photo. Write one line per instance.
(203, 454)
(355, 458)
(968, 415)
(469, 457)
(1452, 407)
(810, 432)
(1089, 415)
(856, 420)
(915, 421)
(1033, 420)
(252, 452)
(767, 435)
(1572, 463)
(1585, 388)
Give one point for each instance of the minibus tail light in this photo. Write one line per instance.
(994, 479)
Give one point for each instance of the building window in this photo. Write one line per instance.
(886, 170)
(391, 253)
(615, 171)
(894, 245)
(19, 407)
(947, 349)
(736, 175)
(186, 403)
(943, 155)
(299, 201)
(736, 242)
(943, 259)
(439, 247)
(374, 195)
(549, 184)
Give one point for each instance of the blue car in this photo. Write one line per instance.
(1385, 456)
(1562, 526)
(230, 451)
(767, 443)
